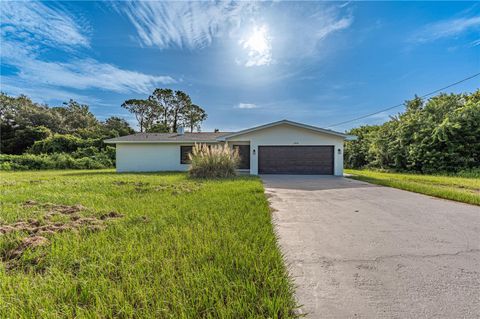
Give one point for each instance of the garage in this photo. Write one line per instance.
(298, 159)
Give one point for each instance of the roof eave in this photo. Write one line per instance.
(309, 127)
(156, 142)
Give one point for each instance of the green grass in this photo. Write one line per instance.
(461, 189)
(184, 249)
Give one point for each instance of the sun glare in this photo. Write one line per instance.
(258, 45)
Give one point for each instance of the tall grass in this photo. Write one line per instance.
(183, 249)
(213, 161)
(461, 189)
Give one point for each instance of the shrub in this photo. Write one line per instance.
(64, 143)
(469, 173)
(16, 141)
(433, 137)
(89, 163)
(213, 161)
(28, 161)
(57, 143)
(105, 156)
(53, 161)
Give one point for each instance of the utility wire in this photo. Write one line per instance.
(402, 104)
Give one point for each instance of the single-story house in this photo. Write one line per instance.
(282, 147)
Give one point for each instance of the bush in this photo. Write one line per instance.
(441, 135)
(105, 156)
(469, 173)
(26, 161)
(16, 141)
(57, 143)
(213, 161)
(53, 161)
(64, 143)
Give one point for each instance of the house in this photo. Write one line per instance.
(282, 147)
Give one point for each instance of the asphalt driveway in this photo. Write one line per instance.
(357, 250)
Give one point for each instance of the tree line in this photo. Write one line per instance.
(441, 134)
(165, 111)
(24, 123)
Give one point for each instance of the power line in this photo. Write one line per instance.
(402, 104)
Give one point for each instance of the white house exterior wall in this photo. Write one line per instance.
(142, 157)
(290, 135)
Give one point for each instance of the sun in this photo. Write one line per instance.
(258, 46)
(258, 40)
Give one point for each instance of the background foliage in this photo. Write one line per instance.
(35, 136)
(438, 135)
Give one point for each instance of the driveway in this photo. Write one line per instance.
(357, 250)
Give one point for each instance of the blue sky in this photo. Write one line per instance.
(245, 63)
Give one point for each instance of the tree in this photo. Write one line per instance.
(438, 135)
(159, 128)
(174, 108)
(116, 126)
(162, 102)
(20, 112)
(26, 126)
(181, 103)
(193, 116)
(142, 109)
(76, 116)
(356, 153)
(22, 122)
(24, 138)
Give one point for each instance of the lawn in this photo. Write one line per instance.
(462, 189)
(100, 244)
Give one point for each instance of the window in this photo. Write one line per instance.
(184, 151)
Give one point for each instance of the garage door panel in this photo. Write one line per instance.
(295, 160)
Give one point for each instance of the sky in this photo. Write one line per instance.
(245, 63)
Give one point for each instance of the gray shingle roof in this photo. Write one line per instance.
(170, 137)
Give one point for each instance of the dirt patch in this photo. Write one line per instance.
(111, 214)
(137, 184)
(9, 183)
(36, 181)
(48, 226)
(55, 208)
(38, 228)
(174, 189)
(28, 242)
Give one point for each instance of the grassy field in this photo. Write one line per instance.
(100, 245)
(460, 189)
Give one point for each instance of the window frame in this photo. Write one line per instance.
(184, 159)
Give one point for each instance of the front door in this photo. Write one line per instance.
(244, 153)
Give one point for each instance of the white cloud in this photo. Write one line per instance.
(88, 73)
(28, 29)
(182, 24)
(336, 25)
(34, 21)
(475, 43)
(246, 106)
(307, 28)
(264, 32)
(259, 47)
(447, 29)
(42, 93)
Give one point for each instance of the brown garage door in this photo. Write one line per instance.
(317, 160)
